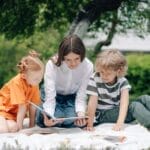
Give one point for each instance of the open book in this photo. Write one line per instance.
(57, 119)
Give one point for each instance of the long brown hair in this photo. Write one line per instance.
(69, 44)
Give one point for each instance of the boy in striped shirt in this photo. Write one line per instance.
(108, 92)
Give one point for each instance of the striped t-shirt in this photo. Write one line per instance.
(108, 95)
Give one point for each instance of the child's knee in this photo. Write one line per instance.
(134, 106)
(144, 98)
(4, 129)
(3, 125)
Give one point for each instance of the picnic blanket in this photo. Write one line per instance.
(133, 137)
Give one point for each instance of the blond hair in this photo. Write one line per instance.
(30, 62)
(111, 60)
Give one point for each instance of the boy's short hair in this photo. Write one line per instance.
(111, 60)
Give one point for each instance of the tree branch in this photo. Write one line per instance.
(110, 36)
(144, 1)
(90, 13)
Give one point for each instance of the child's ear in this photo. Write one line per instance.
(118, 72)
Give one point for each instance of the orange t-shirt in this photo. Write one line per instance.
(17, 91)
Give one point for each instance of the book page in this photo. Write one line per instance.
(57, 119)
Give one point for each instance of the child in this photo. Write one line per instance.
(15, 94)
(65, 80)
(108, 91)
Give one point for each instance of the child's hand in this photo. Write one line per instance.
(49, 122)
(117, 126)
(80, 122)
(89, 128)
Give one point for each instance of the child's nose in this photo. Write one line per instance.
(73, 63)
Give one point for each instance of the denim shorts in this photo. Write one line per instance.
(65, 107)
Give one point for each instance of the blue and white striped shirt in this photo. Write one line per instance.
(108, 95)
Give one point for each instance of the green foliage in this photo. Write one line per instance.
(139, 73)
(131, 15)
(44, 42)
(9, 54)
(19, 17)
(11, 51)
(134, 15)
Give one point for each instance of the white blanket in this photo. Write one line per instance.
(136, 137)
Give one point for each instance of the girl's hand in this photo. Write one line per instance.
(49, 122)
(80, 122)
(117, 126)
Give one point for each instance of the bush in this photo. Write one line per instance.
(11, 51)
(44, 42)
(139, 73)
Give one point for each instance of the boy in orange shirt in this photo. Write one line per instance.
(15, 94)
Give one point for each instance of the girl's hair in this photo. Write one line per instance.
(111, 60)
(30, 62)
(70, 44)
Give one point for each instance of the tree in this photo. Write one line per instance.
(110, 16)
(23, 17)
(124, 15)
(18, 17)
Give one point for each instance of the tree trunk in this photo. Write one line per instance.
(110, 36)
(90, 13)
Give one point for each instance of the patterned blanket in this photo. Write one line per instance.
(133, 137)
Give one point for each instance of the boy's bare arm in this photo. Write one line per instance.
(92, 105)
(22, 108)
(124, 102)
